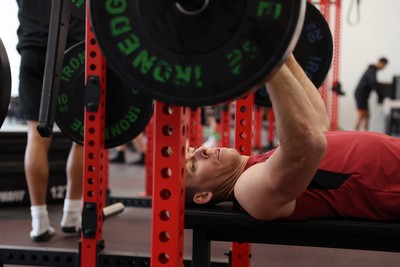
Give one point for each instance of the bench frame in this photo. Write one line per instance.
(226, 224)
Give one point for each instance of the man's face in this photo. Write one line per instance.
(207, 168)
(381, 65)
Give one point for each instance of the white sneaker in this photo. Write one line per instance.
(71, 222)
(43, 237)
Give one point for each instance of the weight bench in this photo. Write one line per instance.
(223, 223)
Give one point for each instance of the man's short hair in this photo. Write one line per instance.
(384, 60)
(189, 194)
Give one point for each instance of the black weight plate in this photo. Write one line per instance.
(314, 51)
(78, 9)
(5, 83)
(127, 110)
(202, 59)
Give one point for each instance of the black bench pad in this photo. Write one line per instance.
(223, 223)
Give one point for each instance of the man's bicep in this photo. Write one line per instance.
(269, 189)
(262, 192)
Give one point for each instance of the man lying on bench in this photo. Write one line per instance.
(313, 173)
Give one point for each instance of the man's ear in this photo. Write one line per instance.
(203, 197)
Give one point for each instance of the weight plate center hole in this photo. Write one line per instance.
(191, 7)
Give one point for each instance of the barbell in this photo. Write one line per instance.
(196, 52)
(205, 52)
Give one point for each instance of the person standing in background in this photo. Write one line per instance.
(139, 144)
(33, 31)
(366, 84)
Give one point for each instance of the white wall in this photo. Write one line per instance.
(376, 35)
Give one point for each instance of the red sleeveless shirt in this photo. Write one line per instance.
(359, 177)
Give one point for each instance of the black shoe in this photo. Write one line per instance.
(70, 230)
(131, 147)
(337, 87)
(139, 161)
(46, 236)
(119, 158)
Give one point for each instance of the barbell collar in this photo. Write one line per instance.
(113, 210)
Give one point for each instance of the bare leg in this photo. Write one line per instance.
(121, 147)
(36, 165)
(75, 172)
(140, 146)
(72, 211)
(359, 120)
(362, 119)
(139, 143)
(366, 121)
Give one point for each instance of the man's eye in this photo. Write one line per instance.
(190, 150)
(193, 166)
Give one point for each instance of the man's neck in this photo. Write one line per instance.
(226, 190)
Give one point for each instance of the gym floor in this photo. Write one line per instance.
(130, 232)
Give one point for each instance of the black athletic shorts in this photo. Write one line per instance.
(31, 81)
(361, 99)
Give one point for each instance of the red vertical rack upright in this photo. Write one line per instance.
(243, 143)
(336, 62)
(168, 185)
(226, 125)
(149, 157)
(95, 156)
(324, 6)
(258, 121)
(271, 127)
(195, 128)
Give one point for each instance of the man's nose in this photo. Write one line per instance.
(201, 152)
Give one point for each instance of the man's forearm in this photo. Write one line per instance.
(311, 91)
(296, 119)
(302, 142)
